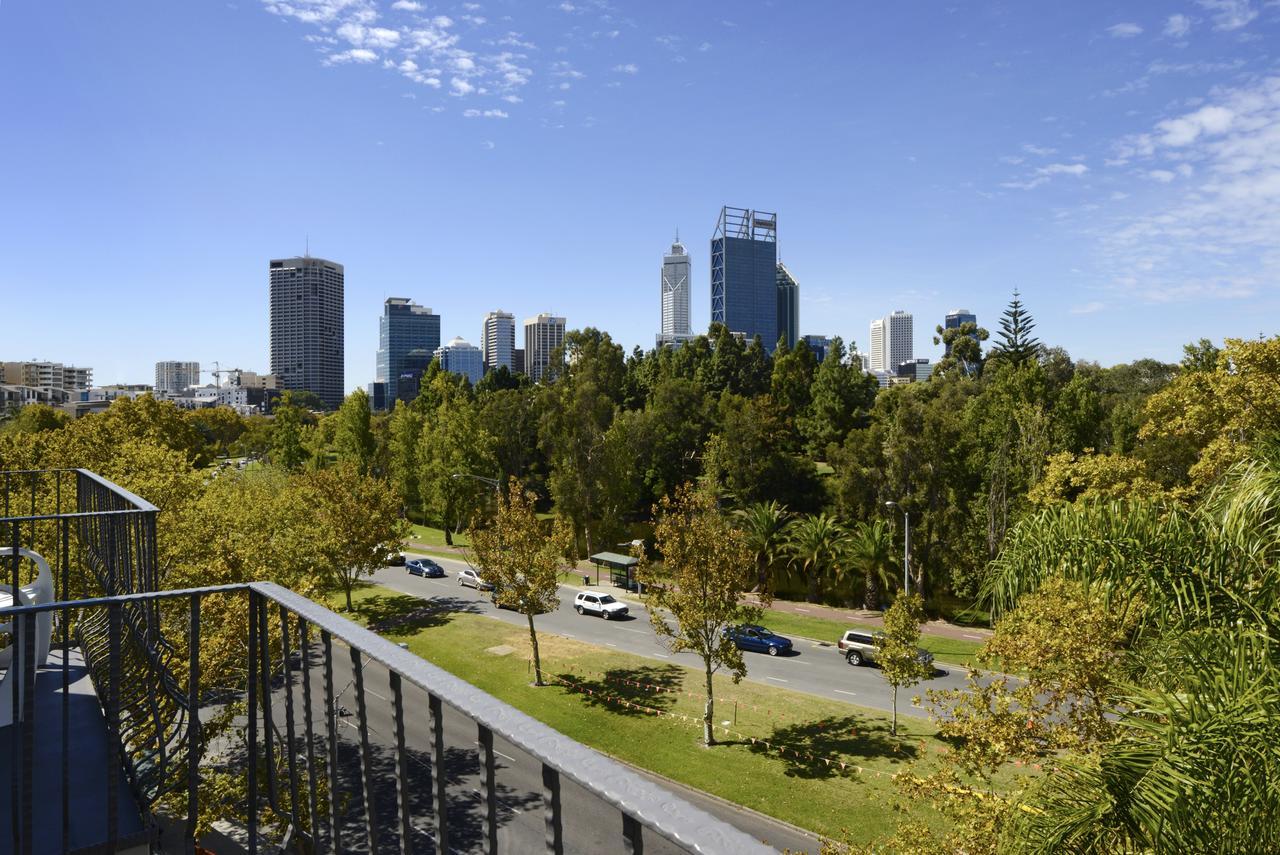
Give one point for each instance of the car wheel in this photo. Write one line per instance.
(578, 609)
(604, 613)
(773, 651)
(853, 657)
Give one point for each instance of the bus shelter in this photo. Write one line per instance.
(622, 568)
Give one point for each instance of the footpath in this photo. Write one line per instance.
(939, 628)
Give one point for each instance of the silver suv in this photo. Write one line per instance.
(861, 647)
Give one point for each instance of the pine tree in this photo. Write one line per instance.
(1017, 346)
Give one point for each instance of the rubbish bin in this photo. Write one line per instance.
(586, 580)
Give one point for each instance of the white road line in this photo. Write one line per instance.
(369, 691)
(662, 655)
(843, 692)
(801, 610)
(779, 679)
(801, 662)
(629, 629)
(498, 753)
(967, 635)
(611, 644)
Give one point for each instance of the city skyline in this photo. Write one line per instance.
(1090, 137)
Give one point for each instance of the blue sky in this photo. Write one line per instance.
(1117, 162)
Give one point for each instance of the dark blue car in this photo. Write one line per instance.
(424, 567)
(758, 639)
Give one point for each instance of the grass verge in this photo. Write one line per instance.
(819, 764)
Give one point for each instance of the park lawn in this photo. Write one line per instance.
(959, 651)
(429, 536)
(797, 778)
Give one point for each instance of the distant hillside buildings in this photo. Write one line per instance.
(174, 377)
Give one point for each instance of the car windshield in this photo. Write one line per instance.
(606, 599)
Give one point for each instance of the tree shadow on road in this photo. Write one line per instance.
(649, 687)
(815, 749)
(401, 614)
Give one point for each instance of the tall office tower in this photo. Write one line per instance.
(891, 342)
(404, 326)
(173, 377)
(498, 340)
(307, 326)
(788, 306)
(676, 281)
(818, 345)
(542, 336)
(744, 274)
(955, 318)
(461, 357)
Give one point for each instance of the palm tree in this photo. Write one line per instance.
(1197, 751)
(870, 552)
(815, 543)
(765, 525)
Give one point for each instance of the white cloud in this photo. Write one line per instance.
(1063, 169)
(442, 21)
(1124, 31)
(512, 99)
(1029, 184)
(1039, 151)
(407, 5)
(322, 11)
(704, 47)
(1229, 14)
(1088, 308)
(488, 144)
(629, 68)
(1177, 26)
(487, 114)
(1216, 234)
(353, 55)
(461, 86)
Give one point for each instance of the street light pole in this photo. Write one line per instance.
(906, 546)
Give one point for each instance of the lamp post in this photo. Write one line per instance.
(906, 546)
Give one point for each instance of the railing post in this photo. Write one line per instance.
(331, 725)
(438, 774)
(304, 648)
(402, 765)
(113, 724)
(251, 820)
(288, 718)
(632, 835)
(366, 754)
(490, 783)
(551, 809)
(268, 725)
(194, 751)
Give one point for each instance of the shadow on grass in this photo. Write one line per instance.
(650, 686)
(397, 613)
(807, 747)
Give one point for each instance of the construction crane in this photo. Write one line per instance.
(218, 371)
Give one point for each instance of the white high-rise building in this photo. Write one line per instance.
(891, 341)
(543, 334)
(173, 377)
(498, 340)
(461, 357)
(676, 274)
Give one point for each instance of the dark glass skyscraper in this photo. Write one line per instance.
(744, 274)
(788, 307)
(404, 326)
(307, 326)
(955, 318)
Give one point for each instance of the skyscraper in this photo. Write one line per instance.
(891, 342)
(461, 357)
(542, 335)
(788, 306)
(676, 280)
(403, 327)
(955, 318)
(744, 274)
(498, 340)
(173, 377)
(307, 326)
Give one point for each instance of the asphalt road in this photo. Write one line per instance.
(811, 668)
(590, 825)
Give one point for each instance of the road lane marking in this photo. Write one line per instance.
(801, 662)
(843, 692)
(629, 629)
(967, 635)
(801, 610)
(779, 679)
(611, 644)
(663, 655)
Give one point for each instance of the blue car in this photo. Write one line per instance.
(424, 567)
(758, 639)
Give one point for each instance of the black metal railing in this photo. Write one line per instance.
(253, 714)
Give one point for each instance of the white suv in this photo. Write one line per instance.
(598, 604)
(472, 579)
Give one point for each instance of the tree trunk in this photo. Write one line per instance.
(871, 593)
(346, 589)
(709, 712)
(537, 660)
(813, 584)
(894, 729)
(762, 573)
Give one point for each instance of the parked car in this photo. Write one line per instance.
(396, 559)
(471, 579)
(596, 603)
(424, 567)
(861, 647)
(517, 607)
(758, 639)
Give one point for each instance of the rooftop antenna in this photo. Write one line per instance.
(307, 251)
(677, 234)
